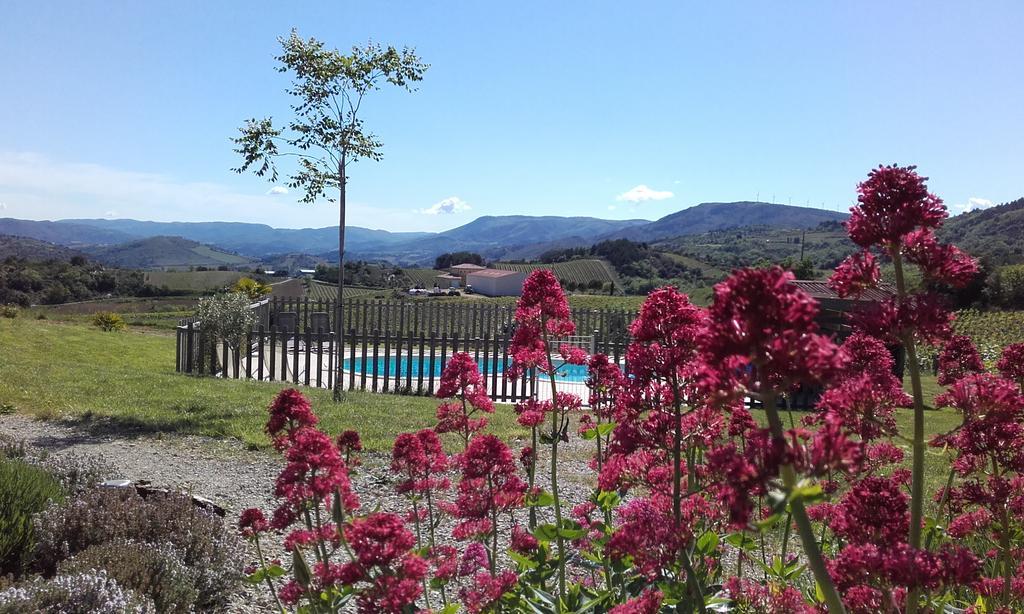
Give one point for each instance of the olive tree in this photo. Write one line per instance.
(325, 133)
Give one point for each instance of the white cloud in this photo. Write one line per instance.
(611, 207)
(277, 189)
(450, 205)
(972, 203)
(3, 206)
(642, 193)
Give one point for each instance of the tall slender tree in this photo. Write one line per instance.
(326, 133)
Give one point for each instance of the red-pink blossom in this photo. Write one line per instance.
(350, 446)
(420, 459)
(893, 202)
(751, 596)
(945, 264)
(646, 531)
(289, 412)
(925, 316)
(486, 590)
(649, 602)
(489, 485)
(958, 359)
(252, 522)
(856, 273)
(314, 471)
(542, 313)
(763, 327)
(1011, 363)
(874, 510)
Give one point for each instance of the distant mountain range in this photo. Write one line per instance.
(996, 233)
(117, 242)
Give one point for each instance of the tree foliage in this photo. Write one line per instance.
(450, 259)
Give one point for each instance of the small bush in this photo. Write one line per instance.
(24, 491)
(155, 571)
(8, 311)
(108, 321)
(87, 593)
(75, 473)
(102, 515)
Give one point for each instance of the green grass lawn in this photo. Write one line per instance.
(126, 381)
(53, 369)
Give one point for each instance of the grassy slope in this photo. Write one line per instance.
(129, 379)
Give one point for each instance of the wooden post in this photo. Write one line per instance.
(419, 375)
(259, 362)
(408, 362)
(248, 354)
(273, 351)
(351, 359)
(376, 344)
(319, 357)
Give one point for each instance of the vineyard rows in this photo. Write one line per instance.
(575, 273)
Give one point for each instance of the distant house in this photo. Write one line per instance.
(447, 280)
(307, 272)
(464, 269)
(495, 282)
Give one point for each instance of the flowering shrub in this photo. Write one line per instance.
(102, 516)
(109, 322)
(696, 502)
(87, 593)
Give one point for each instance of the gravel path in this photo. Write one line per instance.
(224, 471)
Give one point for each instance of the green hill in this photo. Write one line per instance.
(33, 249)
(165, 253)
(996, 233)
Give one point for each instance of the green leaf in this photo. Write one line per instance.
(589, 434)
(542, 499)
(546, 532)
(523, 561)
(604, 429)
(707, 542)
(275, 571)
(300, 569)
(608, 499)
(741, 541)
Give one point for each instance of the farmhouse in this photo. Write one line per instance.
(496, 282)
(447, 280)
(834, 310)
(464, 269)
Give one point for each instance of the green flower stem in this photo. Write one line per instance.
(266, 578)
(677, 494)
(917, 444)
(555, 435)
(803, 524)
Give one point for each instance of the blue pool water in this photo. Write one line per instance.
(398, 366)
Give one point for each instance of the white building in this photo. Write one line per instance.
(496, 282)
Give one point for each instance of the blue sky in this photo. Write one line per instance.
(124, 109)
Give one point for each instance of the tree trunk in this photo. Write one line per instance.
(339, 319)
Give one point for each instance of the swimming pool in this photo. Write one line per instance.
(400, 366)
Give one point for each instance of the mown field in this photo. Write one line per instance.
(126, 381)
